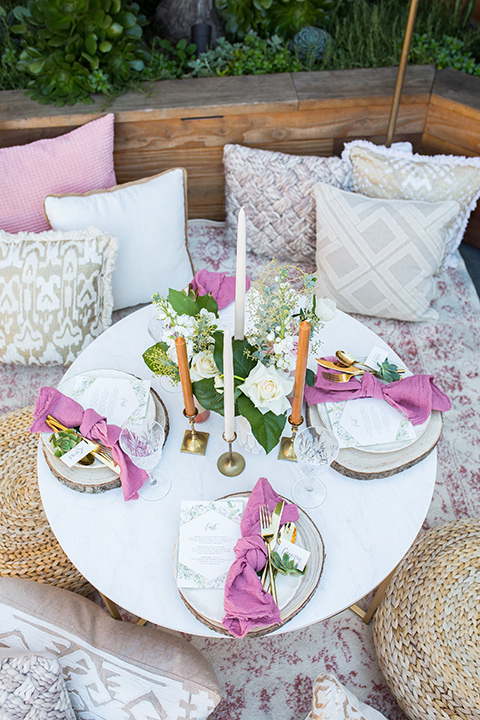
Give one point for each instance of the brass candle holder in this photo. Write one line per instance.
(194, 441)
(231, 463)
(286, 451)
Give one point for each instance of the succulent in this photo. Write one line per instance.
(388, 371)
(63, 441)
(73, 48)
(285, 565)
(311, 43)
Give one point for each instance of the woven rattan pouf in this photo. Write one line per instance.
(426, 630)
(28, 547)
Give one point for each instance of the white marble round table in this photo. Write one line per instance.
(125, 549)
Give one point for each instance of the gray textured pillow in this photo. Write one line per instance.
(112, 669)
(276, 191)
(32, 687)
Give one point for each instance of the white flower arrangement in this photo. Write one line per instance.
(264, 361)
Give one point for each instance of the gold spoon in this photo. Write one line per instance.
(348, 361)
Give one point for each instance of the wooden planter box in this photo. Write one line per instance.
(187, 122)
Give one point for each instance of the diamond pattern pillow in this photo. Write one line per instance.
(75, 162)
(379, 257)
(276, 191)
(384, 173)
(55, 294)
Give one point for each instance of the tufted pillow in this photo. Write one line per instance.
(384, 173)
(149, 218)
(55, 294)
(78, 161)
(32, 687)
(379, 257)
(112, 669)
(276, 191)
(332, 701)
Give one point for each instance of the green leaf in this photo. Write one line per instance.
(181, 303)
(267, 428)
(218, 351)
(242, 363)
(157, 360)
(208, 303)
(91, 44)
(310, 378)
(206, 394)
(36, 66)
(105, 46)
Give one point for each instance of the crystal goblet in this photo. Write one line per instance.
(144, 447)
(316, 448)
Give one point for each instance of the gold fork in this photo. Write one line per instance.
(338, 377)
(268, 535)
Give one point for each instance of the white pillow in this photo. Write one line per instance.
(379, 257)
(149, 217)
(332, 701)
(55, 294)
(381, 172)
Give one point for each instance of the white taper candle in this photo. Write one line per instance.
(228, 387)
(240, 279)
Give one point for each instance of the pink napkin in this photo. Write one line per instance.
(416, 396)
(247, 605)
(221, 285)
(91, 425)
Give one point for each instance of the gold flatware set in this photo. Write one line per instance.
(97, 450)
(346, 367)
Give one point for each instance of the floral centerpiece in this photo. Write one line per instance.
(264, 360)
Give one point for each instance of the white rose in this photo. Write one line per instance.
(325, 309)
(267, 389)
(203, 366)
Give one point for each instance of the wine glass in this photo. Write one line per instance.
(316, 448)
(144, 447)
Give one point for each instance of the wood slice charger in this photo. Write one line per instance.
(369, 466)
(101, 478)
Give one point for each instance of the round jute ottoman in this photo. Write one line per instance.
(426, 629)
(28, 547)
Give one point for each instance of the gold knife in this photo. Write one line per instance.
(276, 517)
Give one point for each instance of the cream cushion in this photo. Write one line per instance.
(276, 191)
(55, 294)
(149, 217)
(332, 701)
(379, 257)
(32, 687)
(112, 669)
(385, 173)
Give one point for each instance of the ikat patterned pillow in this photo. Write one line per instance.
(113, 670)
(332, 701)
(385, 173)
(276, 191)
(55, 294)
(379, 257)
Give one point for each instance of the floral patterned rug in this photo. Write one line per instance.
(271, 677)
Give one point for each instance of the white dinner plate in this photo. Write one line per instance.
(293, 591)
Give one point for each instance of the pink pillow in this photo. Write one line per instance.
(76, 162)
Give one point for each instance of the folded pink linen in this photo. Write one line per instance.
(247, 605)
(221, 285)
(91, 425)
(416, 396)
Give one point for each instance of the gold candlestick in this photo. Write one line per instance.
(286, 451)
(231, 463)
(194, 441)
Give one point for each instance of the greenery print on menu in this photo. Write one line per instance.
(264, 361)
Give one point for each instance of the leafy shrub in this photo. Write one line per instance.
(73, 48)
(253, 56)
(10, 76)
(449, 52)
(271, 17)
(167, 61)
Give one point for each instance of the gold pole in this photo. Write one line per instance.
(401, 71)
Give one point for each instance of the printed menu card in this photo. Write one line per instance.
(209, 531)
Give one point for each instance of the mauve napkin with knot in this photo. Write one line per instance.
(221, 285)
(415, 396)
(91, 425)
(247, 605)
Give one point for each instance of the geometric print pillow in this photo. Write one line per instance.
(332, 701)
(276, 191)
(113, 670)
(55, 294)
(379, 257)
(32, 687)
(385, 173)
